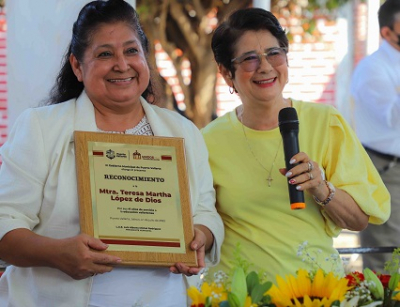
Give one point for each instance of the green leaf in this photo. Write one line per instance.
(266, 300)
(233, 300)
(252, 281)
(239, 287)
(377, 290)
(394, 281)
(258, 291)
(335, 303)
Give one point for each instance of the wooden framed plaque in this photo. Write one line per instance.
(134, 196)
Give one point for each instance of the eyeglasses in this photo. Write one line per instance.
(250, 61)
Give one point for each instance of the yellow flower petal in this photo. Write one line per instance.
(322, 290)
(196, 296)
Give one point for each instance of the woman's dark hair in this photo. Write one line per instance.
(387, 13)
(227, 34)
(90, 18)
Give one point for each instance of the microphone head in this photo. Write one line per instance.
(288, 120)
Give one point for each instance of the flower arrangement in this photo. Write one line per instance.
(372, 287)
(312, 288)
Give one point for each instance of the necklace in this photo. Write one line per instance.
(269, 179)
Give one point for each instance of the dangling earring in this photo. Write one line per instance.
(232, 89)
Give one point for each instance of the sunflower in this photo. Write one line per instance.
(198, 298)
(209, 292)
(304, 291)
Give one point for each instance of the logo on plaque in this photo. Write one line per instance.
(136, 155)
(110, 154)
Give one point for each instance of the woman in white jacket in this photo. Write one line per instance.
(102, 86)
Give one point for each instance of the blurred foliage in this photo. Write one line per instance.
(309, 8)
(301, 17)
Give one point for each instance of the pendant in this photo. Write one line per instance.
(269, 181)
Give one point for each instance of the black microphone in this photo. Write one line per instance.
(289, 127)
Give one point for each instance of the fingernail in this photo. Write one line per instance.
(292, 161)
(195, 246)
(119, 260)
(298, 187)
(288, 174)
(292, 181)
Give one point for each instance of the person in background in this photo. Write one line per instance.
(102, 87)
(341, 186)
(375, 91)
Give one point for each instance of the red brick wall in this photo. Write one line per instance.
(360, 31)
(312, 69)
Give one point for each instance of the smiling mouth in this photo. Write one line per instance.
(265, 81)
(120, 80)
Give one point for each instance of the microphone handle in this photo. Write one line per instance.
(291, 147)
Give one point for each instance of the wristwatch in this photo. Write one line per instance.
(332, 191)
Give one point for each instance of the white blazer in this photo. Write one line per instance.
(38, 191)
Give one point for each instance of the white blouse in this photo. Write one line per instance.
(138, 286)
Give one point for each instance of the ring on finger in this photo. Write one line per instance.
(310, 166)
(310, 175)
